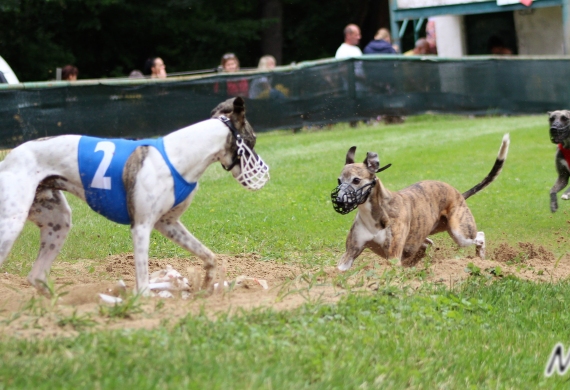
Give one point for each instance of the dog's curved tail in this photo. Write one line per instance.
(497, 168)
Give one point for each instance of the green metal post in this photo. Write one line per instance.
(566, 25)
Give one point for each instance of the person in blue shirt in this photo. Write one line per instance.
(381, 43)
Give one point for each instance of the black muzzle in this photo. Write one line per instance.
(345, 198)
(559, 134)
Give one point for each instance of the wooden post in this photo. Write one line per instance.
(566, 25)
(394, 24)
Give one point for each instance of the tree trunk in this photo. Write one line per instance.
(272, 35)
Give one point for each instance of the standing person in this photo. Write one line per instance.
(69, 73)
(349, 48)
(234, 87)
(381, 44)
(155, 68)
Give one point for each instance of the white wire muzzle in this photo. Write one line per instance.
(254, 171)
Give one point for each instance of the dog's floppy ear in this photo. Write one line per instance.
(239, 105)
(350, 155)
(549, 113)
(372, 162)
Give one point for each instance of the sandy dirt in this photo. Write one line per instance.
(76, 305)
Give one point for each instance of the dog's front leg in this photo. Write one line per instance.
(561, 183)
(355, 244)
(177, 233)
(141, 240)
(396, 241)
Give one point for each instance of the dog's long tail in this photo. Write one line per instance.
(497, 168)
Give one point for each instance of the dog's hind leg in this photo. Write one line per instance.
(480, 245)
(52, 214)
(463, 230)
(169, 226)
(16, 197)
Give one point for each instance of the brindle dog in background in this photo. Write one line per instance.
(560, 134)
(395, 225)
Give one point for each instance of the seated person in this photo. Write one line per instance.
(421, 49)
(497, 47)
(155, 68)
(261, 87)
(239, 87)
(69, 73)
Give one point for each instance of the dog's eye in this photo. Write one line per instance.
(356, 180)
(564, 118)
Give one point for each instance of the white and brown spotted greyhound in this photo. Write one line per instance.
(395, 225)
(146, 183)
(560, 134)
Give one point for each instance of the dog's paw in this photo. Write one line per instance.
(553, 207)
(344, 265)
(565, 196)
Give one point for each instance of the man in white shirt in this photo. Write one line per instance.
(349, 47)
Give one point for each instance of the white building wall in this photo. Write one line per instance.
(450, 36)
(450, 41)
(539, 32)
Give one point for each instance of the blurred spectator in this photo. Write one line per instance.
(234, 87)
(496, 46)
(349, 48)
(267, 62)
(69, 73)
(155, 68)
(136, 74)
(421, 49)
(229, 63)
(261, 87)
(430, 36)
(382, 43)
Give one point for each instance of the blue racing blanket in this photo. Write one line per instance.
(101, 164)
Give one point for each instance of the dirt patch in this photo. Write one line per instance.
(76, 305)
(526, 251)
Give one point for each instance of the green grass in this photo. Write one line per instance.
(483, 336)
(480, 335)
(292, 219)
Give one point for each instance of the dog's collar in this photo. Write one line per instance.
(226, 121)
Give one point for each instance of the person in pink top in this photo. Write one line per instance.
(234, 87)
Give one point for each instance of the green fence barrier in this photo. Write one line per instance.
(309, 93)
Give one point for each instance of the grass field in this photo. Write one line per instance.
(480, 334)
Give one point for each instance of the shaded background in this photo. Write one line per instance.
(110, 38)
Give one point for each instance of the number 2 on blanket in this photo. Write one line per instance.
(100, 180)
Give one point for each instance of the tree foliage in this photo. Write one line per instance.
(110, 38)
